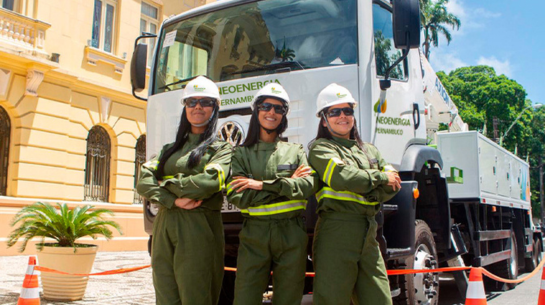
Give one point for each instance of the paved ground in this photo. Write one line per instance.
(136, 288)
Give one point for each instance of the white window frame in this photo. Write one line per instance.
(150, 20)
(102, 27)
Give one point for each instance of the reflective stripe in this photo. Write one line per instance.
(328, 192)
(329, 169)
(388, 168)
(229, 189)
(167, 177)
(30, 293)
(276, 208)
(475, 290)
(151, 164)
(221, 173)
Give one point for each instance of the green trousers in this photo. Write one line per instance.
(187, 256)
(348, 262)
(279, 246)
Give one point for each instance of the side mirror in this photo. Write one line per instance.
(406, 23)
(138, 67)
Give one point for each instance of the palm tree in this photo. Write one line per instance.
(435, 17)
(63, 225)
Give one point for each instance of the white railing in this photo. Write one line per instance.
(21, 31)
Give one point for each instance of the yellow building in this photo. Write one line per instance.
(70, 129)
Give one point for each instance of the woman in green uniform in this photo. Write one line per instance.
(186, 181)
(355, 180)
(270, 183)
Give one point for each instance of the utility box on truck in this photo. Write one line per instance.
(479, 168)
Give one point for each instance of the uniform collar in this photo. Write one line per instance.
(266, 145)
(345, 142)
(193, 138)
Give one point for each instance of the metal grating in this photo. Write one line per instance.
(97, 167)
(139, 159)
(5, 131)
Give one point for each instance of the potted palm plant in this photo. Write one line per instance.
(65, 226)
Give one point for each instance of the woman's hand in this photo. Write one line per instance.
(187, 204)
(302, 172)
(243, 183)
(393, 180)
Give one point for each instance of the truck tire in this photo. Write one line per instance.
(507, 269)
(532, 262)
(422, 288)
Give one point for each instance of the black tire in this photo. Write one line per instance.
(532, 262)
(507, 269)
(413, 286)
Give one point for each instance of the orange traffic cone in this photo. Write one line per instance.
(30, 295)
(475, 290)
(541, 299)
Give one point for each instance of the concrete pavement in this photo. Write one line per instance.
(135, 288)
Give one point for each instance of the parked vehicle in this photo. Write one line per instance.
(442, 216)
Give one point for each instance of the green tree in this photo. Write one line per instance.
(435, 18)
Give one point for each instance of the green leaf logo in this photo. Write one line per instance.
(196, 87)
(382, 108)
(273, 90)
(339, 95)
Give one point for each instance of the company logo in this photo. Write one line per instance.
(340, 95)
(196, 87)
(380, 108)
(273, 90)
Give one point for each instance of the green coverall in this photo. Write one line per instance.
(273, 235)
(188, 245)
(347, 258)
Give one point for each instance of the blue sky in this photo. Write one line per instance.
(508, 35)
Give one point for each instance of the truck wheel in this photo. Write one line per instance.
(422, 288)
(532, 262)
(507, 269)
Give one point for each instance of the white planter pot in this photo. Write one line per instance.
(66, 287)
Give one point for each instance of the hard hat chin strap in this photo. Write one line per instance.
(331, 129)
(207, 122)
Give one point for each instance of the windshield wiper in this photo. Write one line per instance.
(177, 82)
(285, 66)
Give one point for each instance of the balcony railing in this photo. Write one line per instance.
(22, 32)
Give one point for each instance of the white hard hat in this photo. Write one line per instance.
(273, 90)
(333, 95)
(201, 86)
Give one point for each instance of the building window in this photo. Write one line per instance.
(5, 131)
(97, 167)
(11, 5)
(149, 22)
(103, 25)
(139, 160)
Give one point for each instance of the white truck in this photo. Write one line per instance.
(464, 214)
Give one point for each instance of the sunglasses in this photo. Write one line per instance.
(348, 111)
(279, 109)
(204, 102)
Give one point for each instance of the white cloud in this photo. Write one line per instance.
(445, 61)
(501, 67)
(469, 19)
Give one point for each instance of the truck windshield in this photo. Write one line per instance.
(257, 38)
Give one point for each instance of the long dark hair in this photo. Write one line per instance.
(323, 132)
(206, 138)
(253, 131)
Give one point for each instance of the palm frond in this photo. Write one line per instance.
(62, 224)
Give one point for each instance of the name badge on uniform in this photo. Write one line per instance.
(285, 167)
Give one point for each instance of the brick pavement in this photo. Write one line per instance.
(135, 288)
